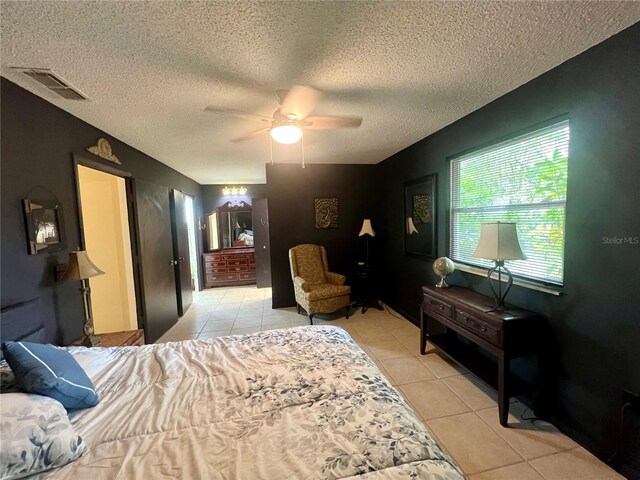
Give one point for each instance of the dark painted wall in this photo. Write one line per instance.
(37, 142)
(595, 321)
(291, 191)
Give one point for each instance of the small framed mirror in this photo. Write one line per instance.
(44, 225)
(420, 217)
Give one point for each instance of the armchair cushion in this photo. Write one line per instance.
(326, 291)
(335, 278)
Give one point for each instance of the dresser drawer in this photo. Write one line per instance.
(479, 327)
(248, 276)
(441, 308)
(229, 277)
(240, 268)
(216, 268)
(235, 263)
(212, 257)
(237, 256)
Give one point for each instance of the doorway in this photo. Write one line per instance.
(190, 215)
(107, 240)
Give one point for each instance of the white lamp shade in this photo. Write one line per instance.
(411, 228)
(286, 134)
(367, 228)
(80, 267)
(498, 241)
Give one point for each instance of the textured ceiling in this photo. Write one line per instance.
(408, 68)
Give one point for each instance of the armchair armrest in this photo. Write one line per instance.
(300, 283)
(335, 278)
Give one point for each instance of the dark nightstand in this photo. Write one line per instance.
(364, 288)
(118, 339)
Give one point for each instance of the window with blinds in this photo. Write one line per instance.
(521, 180)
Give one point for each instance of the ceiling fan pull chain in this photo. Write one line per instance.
(271, 148)
(302, 146)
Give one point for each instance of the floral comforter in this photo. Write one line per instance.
(300, 403)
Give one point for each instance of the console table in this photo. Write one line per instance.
(505, 334)
(118, 339)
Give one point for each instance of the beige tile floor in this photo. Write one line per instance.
(460, 411)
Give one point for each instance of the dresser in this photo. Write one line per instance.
(234, 266)
(119, 339)
(458, 321)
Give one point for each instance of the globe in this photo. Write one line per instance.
(443, 266)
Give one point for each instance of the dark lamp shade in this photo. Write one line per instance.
(498, 241)
(80, 267)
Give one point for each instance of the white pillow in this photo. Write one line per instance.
(36, 435)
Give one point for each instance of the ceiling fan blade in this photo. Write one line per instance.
(300, 101)
(238, 113)
(251, 135)
(328, 122)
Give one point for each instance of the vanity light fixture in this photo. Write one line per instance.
(234, 190)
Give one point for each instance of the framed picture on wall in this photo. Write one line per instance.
(420, 217)
(326, 212)
(45, 226)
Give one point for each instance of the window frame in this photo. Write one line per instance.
(547, 286)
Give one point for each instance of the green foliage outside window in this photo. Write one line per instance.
(523, 181)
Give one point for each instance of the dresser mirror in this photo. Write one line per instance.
(230, 226)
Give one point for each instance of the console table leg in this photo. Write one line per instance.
(423, 333)
(503, 395)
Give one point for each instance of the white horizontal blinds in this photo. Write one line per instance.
(522, 180)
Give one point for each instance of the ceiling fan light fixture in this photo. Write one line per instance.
(286, 134)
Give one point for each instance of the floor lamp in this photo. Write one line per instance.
(367, 231)
(80, 267)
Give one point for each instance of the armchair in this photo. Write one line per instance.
(317, 289)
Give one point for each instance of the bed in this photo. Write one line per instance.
(299, 403)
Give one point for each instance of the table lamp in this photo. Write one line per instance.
(80, 267)
(499, 242)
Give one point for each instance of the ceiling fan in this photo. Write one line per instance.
(292, 117)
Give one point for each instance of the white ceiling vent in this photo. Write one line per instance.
(53, 82)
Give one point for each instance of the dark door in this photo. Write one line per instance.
(180, 232)
(260, 222)
(156, 253)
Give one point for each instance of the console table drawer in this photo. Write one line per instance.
(479, 327)
(441, 308)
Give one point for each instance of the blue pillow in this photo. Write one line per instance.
(50, 371)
